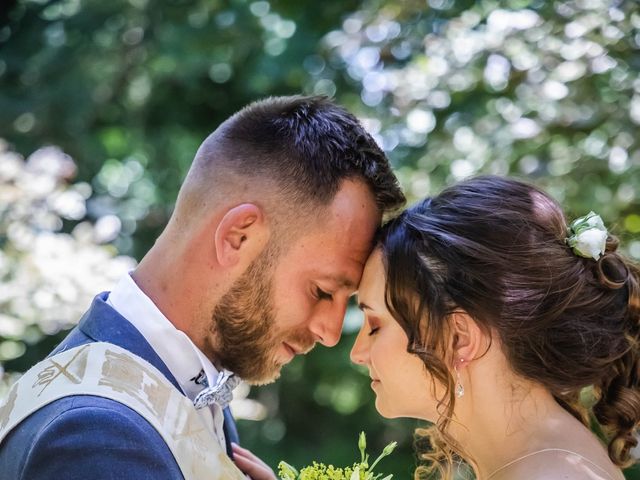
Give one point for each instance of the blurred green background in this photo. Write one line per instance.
(103, 105)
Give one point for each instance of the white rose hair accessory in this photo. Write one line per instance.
(588, 236)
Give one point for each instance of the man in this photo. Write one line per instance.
(268, 239)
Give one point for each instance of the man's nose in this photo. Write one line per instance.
(327, 325)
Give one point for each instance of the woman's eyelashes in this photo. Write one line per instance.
(373, 326)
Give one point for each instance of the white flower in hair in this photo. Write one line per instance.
(589, 236)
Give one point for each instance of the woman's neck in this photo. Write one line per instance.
(502, 421)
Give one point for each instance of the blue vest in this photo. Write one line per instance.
(88, 437)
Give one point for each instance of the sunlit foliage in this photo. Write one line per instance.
(546, 90)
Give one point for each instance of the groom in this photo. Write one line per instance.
(266, 243)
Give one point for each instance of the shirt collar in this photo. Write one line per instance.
(183, 359)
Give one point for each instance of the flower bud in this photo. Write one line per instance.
(362, 442)
(389, 448)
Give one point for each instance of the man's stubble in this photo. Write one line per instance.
(244, 324)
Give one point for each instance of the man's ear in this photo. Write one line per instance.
(240, 235)
(469, 341)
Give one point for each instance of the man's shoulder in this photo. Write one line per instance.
(80, 436)
(83, 408)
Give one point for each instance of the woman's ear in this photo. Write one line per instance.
(468, 340)
(241, 235)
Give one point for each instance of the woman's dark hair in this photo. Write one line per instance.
(495, 248)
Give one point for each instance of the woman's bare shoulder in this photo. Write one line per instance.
(555, 464)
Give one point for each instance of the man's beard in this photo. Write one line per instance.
(244, 325)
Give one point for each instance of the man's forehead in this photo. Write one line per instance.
(340, 280)
(337, 245)
(334, 256)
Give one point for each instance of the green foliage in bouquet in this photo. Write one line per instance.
(358, 471)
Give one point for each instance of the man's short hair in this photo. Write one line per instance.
(304, 147)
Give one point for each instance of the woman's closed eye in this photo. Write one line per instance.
(374, 325)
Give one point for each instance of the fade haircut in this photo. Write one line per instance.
(289, 152)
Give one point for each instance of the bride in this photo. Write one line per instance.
(481, 318)
(507, 330)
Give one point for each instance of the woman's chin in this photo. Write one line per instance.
(386, 412)
(390, 412)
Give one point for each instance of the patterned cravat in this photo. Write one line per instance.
(221, 392)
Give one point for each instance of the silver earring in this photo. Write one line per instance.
(459, 390)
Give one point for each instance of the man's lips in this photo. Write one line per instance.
(291, 350)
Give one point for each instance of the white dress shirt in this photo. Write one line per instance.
(183, 359)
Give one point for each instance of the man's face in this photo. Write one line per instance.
(285, 303)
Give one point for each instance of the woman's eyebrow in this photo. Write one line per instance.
(364, 306)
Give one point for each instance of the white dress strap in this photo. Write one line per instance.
(544, 450)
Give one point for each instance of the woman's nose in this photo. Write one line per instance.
(360, 350)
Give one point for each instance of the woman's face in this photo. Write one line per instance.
(402, 385)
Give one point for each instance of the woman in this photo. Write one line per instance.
(481, 318)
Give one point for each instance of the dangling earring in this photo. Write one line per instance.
(459, 390)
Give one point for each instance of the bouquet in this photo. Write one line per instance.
(358, 471)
